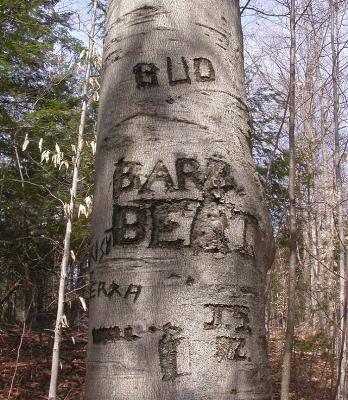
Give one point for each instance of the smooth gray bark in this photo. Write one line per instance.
(182, 237)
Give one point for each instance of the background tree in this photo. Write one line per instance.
(290, 326)
(39, 105)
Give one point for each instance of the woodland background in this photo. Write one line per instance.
(43, 60)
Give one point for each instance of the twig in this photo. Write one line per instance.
(271, 160)
(18, 353)
(245, 6)
(265, 13)
(37, 185)
(19, 166)
(77, 289)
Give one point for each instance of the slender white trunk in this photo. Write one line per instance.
(342, 353)
(290, 326)
(311, 204)
(182, 238)
(70, 214)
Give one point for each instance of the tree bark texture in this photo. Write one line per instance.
(290, 323)
(342, 353)
(182, 238)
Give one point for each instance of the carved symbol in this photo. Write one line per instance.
(208, 231)
(238, 313)
(204, 70)
(174, 351)
(105, 246)
(217, 317)
(101, 248)
(219, 179)
(146, 75)
(98, 289)
(189, 174)
(128, 225)
(172, 223)
(126, 177)
(133, 290)
(114, 334)
(170, 358)
(113, 289)
(159, 175)
(173, 82)
(190, 281)
(230, 348)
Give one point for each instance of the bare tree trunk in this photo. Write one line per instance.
(328, 230)
(310, 219)
(307, 270)
(70, 214)
(9, 292)
(182, 238)
(289, 339)
(342, 357)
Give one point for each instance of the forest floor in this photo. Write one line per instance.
(26, 377)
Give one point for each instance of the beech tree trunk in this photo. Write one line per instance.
(182, 237)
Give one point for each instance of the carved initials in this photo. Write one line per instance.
(146, 74)
(230, 348)
(114, 334)
(100, 288)
(156, 210)
(101, 248)
(238, 313)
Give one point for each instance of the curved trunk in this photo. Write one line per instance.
(182, 238)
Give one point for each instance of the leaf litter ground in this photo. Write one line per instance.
(311, 370)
